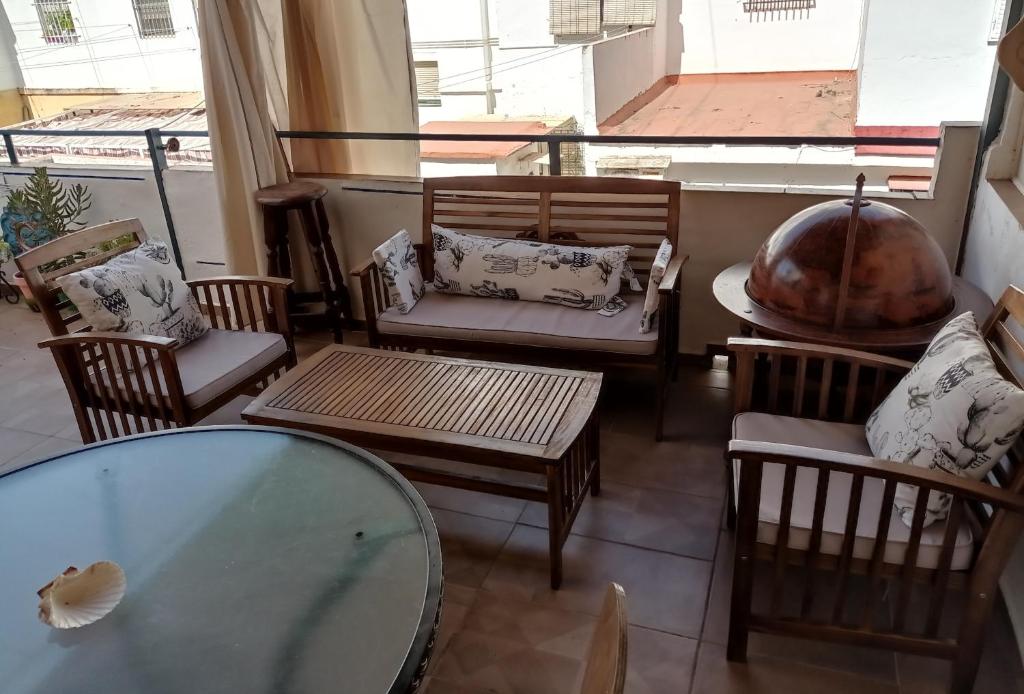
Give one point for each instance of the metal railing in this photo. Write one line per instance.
(159, 142)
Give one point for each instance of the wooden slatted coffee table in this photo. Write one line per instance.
(505, 416)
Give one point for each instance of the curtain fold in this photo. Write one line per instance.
(300, 65)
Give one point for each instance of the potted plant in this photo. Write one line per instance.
(41, 211)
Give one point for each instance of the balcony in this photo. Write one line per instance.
(658, 528)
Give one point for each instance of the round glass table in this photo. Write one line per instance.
(257, 560)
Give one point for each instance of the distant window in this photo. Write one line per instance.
(778, 5)
(575, 17)
(428, 83)
(153, 18)
(56, 20)
(637, 13)
(589, 18)
(995, 31)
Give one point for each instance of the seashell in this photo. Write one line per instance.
(76, 598)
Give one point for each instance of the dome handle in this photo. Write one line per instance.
(851, 241)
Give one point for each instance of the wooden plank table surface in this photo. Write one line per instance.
(509, 416)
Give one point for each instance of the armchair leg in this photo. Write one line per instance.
(730, 497)
(739, 613)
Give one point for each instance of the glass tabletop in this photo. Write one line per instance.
(257, 560)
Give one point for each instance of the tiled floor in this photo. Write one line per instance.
(656, 529)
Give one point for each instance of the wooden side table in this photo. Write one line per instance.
(305, 198)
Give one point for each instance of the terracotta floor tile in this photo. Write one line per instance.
(474, 503)
(667, 592)
(469, 546)
(649, 518)
(764, 675)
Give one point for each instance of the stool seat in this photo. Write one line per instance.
(291, 194)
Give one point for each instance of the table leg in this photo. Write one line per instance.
(272, 238)
(556, 520)
(594, 451)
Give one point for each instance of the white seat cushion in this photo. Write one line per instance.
(522, 322)
(217, 362)
(845, 438)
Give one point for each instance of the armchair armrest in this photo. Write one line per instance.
(759, 452)
(671, 278)
(160, 344)
(745, 345)
(792, 377)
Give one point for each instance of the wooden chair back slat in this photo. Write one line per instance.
(940, 581)
(42, 284)
(878, 552)
(568, 210)
(782, 538)
(814, 545)
(846, 553)
(910, 558)
(605, 670)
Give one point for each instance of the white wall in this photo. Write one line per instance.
(925, 61)
(624, 68)
(10, 73)
(718, 36)
(109, 52)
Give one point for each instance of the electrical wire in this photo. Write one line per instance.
(514, 67)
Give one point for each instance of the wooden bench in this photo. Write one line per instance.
(568, 210)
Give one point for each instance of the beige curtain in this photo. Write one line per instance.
(300, 65)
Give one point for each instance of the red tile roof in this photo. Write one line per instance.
(488, 151)
(764, 103)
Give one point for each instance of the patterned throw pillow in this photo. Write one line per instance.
(953, 411)
(575, 276)
(657, 274)
(396, 259)
(139, 293)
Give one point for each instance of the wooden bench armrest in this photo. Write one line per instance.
(754, 452)
(671, 278)
(251, 280)
(363, 268)
(162, 344)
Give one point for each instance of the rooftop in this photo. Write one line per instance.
(484, 151)
(751, 104)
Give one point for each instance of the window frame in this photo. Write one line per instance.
(46, 10)
(152, 26)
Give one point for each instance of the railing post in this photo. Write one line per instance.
(12, 154)
(156, 154)
(555, 156)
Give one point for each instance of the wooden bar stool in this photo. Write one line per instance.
(306, 198)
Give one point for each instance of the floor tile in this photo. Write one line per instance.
(48, 447)
(763, 675)
(14, 442)
(649, 518)
(667, 592)
(469, 546)
(474, 503)
(691, 468)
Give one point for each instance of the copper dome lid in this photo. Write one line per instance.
(850, 265)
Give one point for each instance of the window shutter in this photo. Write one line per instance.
(153, 18)
(630, 12)
(428, 83)
(575, 17)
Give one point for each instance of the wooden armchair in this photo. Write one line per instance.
(814, 505)
(122, 384)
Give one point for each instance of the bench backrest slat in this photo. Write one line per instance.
(569, 210)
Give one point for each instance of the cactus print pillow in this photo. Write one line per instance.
(953, 411)
(140, 292)
(396, 259)
(519, 269)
